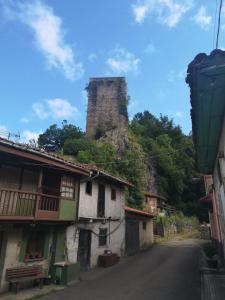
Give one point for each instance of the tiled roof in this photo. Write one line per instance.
(138, 211)
(87, 168)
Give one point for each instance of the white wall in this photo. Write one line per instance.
(88, 204)
(72, 240)
(115, 242)
(220, 186)
(88, 209)
(146, 235)
(13, 239)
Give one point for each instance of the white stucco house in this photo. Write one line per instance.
(100, 222)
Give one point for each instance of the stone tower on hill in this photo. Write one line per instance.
(107, 105)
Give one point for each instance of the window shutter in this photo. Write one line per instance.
(23, 245)
(46, 244)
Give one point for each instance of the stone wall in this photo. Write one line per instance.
(107, 105)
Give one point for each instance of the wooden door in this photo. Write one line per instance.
(132, 237)
(2, 252)
(84, 248)
(101, 201)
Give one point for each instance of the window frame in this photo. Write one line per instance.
(91, 188)
(42, 234)
(102, 237)
(113, 196)
(67, 182)
(144, 225)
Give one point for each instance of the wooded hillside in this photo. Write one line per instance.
(151, 139)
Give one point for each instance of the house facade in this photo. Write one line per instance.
(101, 220)
(55, 213)
(206, 79)
(38, 204)
(139, 230)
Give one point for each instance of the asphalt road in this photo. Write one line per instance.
(165, 272)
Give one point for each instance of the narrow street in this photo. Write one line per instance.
(165, 272)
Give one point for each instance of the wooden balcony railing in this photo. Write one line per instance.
(18, 204)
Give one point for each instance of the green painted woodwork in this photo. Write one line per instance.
(46, 243)
(24, 240)
(67, 273)
(68, 207)
(60, 244)
(25, 207)
(23, 244)
(67, 210)
(208, 107)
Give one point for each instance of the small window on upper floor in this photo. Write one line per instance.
(113, 194)
(67, 187)
(219, 173)
(88, 188)
(144, 225)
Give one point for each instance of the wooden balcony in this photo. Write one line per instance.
(24, 205)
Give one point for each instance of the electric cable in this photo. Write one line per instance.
(214, 27)
(219, 23)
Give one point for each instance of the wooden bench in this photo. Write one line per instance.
(20, 274)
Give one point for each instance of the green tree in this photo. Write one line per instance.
(54, 137)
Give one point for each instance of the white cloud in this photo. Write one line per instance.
(140, 12)
(202, 19)
(84, 97)
(223, 18)
(55, 108)
(28, 135)
(179, 114)
(122, 62)
(40, 110)
(48, 34)
(167, 12)
(171, 77)
(24, 120)
(92, 57)
(174, 76)
(150, 48)
(3, 131)
(61, 108)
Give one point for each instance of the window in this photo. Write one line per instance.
(102, 237)
(144, 225)
(113, 194)
(35, 245)
(89, 188)
(67, 187)
(219, 172)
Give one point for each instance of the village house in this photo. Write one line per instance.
(139, 230)
(56, 214)
(101, 220)
(206, 78)
(38, 203)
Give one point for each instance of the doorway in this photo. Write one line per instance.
(101, 201)
(132, 237)
(84, 249)
(2, 253)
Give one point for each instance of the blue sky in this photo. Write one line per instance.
(49, 49)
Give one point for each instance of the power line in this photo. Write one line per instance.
(214, 28)
(219, 21)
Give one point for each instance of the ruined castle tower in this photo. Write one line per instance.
(107, 105)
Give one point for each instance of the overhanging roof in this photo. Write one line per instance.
(41, 156)
(206, 78)
(45, 158)
(138, 212)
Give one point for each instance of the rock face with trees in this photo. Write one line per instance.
(150, 152)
